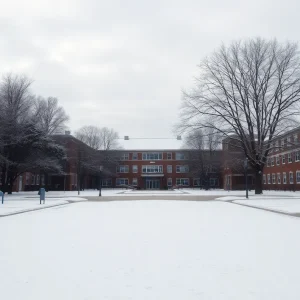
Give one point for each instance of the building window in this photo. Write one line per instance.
(122, 169)
(134, 169)
(268, 162)
(269, 179)
(134, 181)
(106, 182)
(278, 178)
(43, 179)
(288, 141)
(182, 181)
(291, 177)
(37, 181)
(169, 168)
(121, 181)
(264, 179)
(134, 156)
(297, 156)
(124, 156)
(289, 157)
(32, 179)
(213, 181)
(277, 161)
(181, 156)
(152, 156)
(284, 178)
(169, 155)
(298, 176)
(283, 159)
(296, 138)
(272, 161)
(182, 169)
(196, 182)
(27, 179)
(282, 143)
(169, 181)
(273, 179)
(276, 146)
(152, 169)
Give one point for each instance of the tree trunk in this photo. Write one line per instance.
(10, 186)
(258, 181)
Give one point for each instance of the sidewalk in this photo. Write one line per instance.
(283, 204)
(16, 205)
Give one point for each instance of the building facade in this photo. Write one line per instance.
(163, 169)
(282, 170)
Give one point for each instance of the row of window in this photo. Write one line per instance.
(179, 182)
(278, 178)
(284, 142)
(154, 156)
(34, 180)
(290, 157)
(153, 169)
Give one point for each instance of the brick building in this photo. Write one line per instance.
(233, 166)
(144, 169)
(282, 171)
(162, 169)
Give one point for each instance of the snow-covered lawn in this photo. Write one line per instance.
(16, 204)
(150, 250)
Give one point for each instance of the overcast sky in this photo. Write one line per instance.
(123, 64)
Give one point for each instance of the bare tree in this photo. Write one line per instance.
(51, 118)
(23, 145)
(205, 159)
(98, 138)
(251, 91)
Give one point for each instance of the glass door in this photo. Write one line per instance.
(152, 184)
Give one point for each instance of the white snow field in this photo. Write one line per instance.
(150, 250)
(22, 205)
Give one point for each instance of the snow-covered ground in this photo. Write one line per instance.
(150, 250)
(17, 203)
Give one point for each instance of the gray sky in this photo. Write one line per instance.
(122, 64)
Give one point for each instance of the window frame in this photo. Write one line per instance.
(124, 179)
(171, 156)
(135, 168)
(134, 181)
(297, 172)
(273, 178)
(145, 169)
(181, 169)
(278, 178)
(152, 156)
(169, 181)
(126, 169)
(291, 173)
(182, 179)
(284, 178)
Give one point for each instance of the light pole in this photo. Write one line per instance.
(100, 180)
(246, 175)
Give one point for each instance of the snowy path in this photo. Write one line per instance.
(149, 250)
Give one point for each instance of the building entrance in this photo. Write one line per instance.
(152, 184)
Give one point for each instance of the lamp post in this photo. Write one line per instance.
(246, 175)
(100, 180)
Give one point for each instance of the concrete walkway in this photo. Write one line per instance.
(182, 197)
